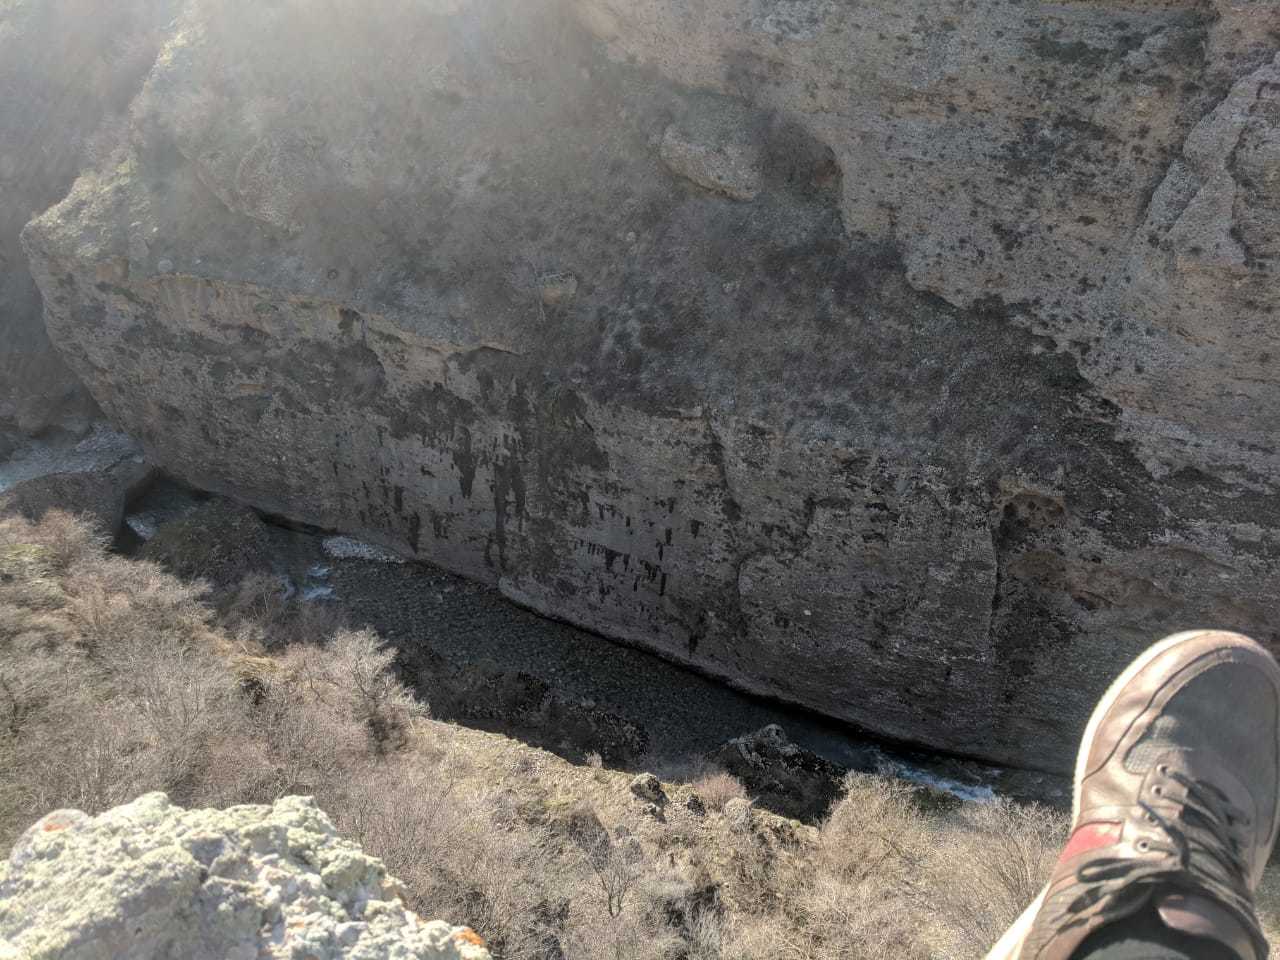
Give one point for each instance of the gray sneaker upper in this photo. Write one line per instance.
(1176, 799)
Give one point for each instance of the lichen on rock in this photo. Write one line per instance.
(152, 880)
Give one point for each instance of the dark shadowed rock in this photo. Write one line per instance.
(782, 775)
(68, 69)
(646, 786)
(220, 541)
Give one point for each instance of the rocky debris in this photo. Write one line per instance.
(715, 144)
(348, 548)
(931, 435)
(164, 501)
(654, 811)
(151, 880)
(100, 494)
(781, 774)
(695, 805)
(220, 541)
(103, 448)
(648, 787)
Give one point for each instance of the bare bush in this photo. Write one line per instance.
(354, 678)
(68, 538)
(262, 613)
(984, 865)
(876, 830)
(454, 856)
(717, 787)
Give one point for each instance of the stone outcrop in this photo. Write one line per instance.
(151, 880)
(102, 495)
(68, 68)
(908, 361)
(781, 774)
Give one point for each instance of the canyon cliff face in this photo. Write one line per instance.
(915, 362)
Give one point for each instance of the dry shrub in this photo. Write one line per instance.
(109, 685)
(629, 936)
(69, 538)
(875, 831)
(717, 787)
(890, 880)
(984, 864)
(453, 850)
(352, 679)
(114, 681)
(852, 900)
(262, 614)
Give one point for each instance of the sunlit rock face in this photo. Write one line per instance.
(909, 361)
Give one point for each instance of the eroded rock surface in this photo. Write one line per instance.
(907, 361)
(151, 880)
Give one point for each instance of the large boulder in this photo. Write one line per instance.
(911, 361)
(149, 881)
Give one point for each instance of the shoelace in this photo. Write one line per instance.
(1204, 856)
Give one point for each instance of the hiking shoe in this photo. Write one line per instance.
(1175, 801)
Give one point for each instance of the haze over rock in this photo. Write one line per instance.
(912, 362)
(68, 69)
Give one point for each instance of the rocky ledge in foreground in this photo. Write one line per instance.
(150, 879)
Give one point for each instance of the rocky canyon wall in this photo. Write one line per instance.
(914, 362)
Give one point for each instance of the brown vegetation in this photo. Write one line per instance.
(716, 788)
(117, 678)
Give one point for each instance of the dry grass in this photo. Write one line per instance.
(117, 678)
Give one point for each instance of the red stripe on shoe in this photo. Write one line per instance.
(1090, 836)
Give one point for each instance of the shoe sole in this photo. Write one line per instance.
(1010, 944)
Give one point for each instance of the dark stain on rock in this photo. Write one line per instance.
(350, 321)
(430, 412)
(415, 529)
(464, 459)
(439, 524)
(508, 484)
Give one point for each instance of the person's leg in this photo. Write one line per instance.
(1176, 811)
(1145, 937)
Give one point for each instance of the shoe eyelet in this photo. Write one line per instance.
(1143, 845)
(1162, 769)
(1150, 818)
(1158, 790)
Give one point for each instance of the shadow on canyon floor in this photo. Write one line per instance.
(480, 660)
